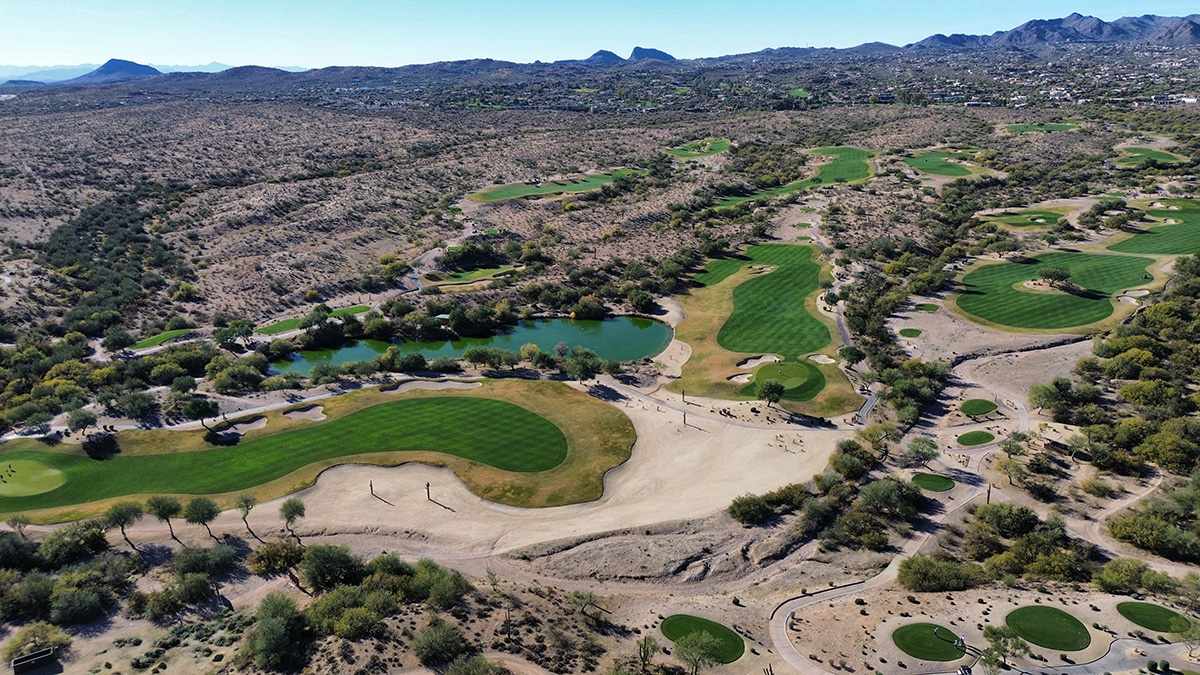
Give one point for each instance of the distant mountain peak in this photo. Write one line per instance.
(115, 70)
(604, 56)
(642, 53)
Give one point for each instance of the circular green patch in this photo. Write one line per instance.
(920, 641)
(977, 406)
(1049, 627)
(678, 625)
(801, 381)
(1153, 617)
(910, 332)
(24, 477)
(927, 307)
(975, 438)
(933, 482)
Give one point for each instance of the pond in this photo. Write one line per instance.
(621, 338)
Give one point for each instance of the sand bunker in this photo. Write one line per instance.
(820, 358)
(313, 413)
(758, 361)
(1126, 300)
(237, 429)
(1138, 293)
(741, 378)
(426, 384)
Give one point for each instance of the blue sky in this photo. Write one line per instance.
(316, 33)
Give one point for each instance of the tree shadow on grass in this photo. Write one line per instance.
(101, 446)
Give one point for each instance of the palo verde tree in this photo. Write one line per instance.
(770, 391)
(245, 503)
(122, 515)
(292, 510)
(202, 511)
(164, 509)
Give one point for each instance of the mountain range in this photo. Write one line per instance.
(1148, 29)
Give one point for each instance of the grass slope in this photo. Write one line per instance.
(936, 163)
(1182, 238)
(677, 625)
(769, 316)
(593, 181)
(846, 165)
(157, 340)
(993, 293)
(1049, 627)
(703, 148)
(918, 641)
(1153, 617)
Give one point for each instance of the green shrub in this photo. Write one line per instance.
(275, 557)
(34, 637)
(439, 643)
(357, 623)
(750, 510)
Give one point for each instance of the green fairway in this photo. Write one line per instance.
(919, 641)
(1138, 156)
(486, 431)
(157, 340)
(1028, 218)
(467, 276)
(593, 181)
(801, 381)
(933, 482)
(1049, 627)
(910, 332)
(937, 163)
(976, 438)
(24, 477)
(995, 293)
(1182, 238)
(293, 324)
(703, 148)
(1153, 617)
(1044, 126)
(678, 625)
(975, 407)
(846, 165)
(927, 307)
(798, 93)
(769, 316)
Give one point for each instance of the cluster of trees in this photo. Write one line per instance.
(1167, 526)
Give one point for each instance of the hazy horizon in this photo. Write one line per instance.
(310, 34)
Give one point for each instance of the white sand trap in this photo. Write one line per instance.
(1138, 293)
(1171, 221)
(820, 358)
(1126, 300)
(1158, 205)
(239, 428)
(314, 413)
(425, 384)
(741, 378)
(758, 361)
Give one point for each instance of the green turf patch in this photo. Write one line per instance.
(1154, 617)
(976, 438)
(24, 477)
(678, 625)
(846, 165)
(937, 163)
(919, 641)
(467, 276)
(933, 482)
(798, 93)
(347, 311)
(705, 148)
(769, 316)
(1049, 627)
(1027, 218)
(1137, 156)
(157, 340)
(293, 324)
(927, 307)
(1043, 126)
(801, 381)
(593, 181)
(910, 332)
(975, 407)
(995, 292)
(482, 430)
(1182, 238)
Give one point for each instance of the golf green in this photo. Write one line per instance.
(976, 438)
(703, 148)
(1182, 238)
(1153, 617)
(801, 381)
(1049, 627)
(593, 181)
(1044, 126)
(995, 292)
(769, 316)
(933, 482)
(487, 431)
(918, 640)
(910, 332)
(1137, 156)
(157, 340)
(937, 163)
(1028, 218)
(975, 407)
(24, 477)
(846, 165)
(678, 625)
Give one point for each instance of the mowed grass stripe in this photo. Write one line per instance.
(486, 431)
(936, 163)
(989, 291)
(769, 316)
(1182, 238)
